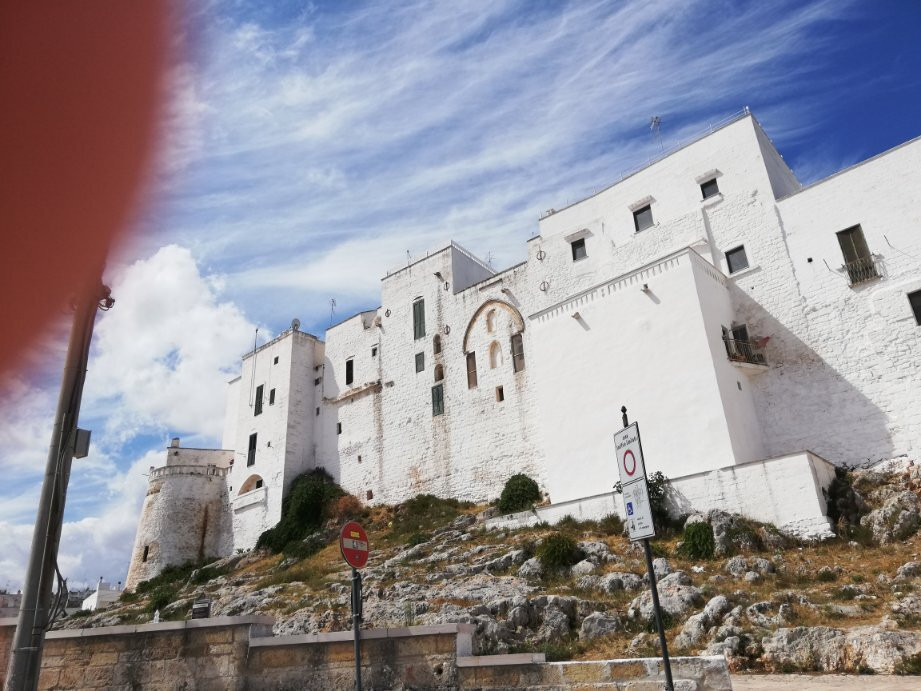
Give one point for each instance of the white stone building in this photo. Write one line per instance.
(759, 331)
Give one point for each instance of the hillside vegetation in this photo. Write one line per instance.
(577, 589)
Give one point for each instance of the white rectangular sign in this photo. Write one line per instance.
(629, 455)
(638, 511)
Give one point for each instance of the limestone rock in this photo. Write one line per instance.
(554, 626)
(740, 566)
(532, 568)
(826, 649)
(909, 570)
(767, 614)
(676, 596)
(596, 552)
(619, 580)
(908, 609)
(583, 568)
(897, 519)
(661, 567)
(599, 624)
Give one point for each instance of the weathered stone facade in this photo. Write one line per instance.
(464, 375)
(230, 653)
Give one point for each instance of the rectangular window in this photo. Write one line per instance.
(709, 188)
(471, 370)
(338, 428)
(500, 394)
(146, 552)
(257, 409)
(419, 319)
(251, 453)
(517, 353)
(857, 258)
(438, 400)
(271, 396)
(736, 259)
(420, 362)
(349, 372)
(258, 484)
(276, 360)
(373, 351)
(914, 299)
(578, 249)
(642, 218)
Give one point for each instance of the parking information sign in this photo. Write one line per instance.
(632, 470)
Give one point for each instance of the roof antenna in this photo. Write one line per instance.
(332, 310)
(655, 124)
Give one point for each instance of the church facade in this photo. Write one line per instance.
(760, 331)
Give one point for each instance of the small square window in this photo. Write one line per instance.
(500, 394)
(578, 249)
(736, 259)
(271, 396)
(420, 362)
(338, 428)
(276, 360)
(914, 299)
(709, 188)
(258, 484)
(642, 218)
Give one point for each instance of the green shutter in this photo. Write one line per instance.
(438, 401)
(419, 319)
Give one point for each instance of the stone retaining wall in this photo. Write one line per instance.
(241, 653)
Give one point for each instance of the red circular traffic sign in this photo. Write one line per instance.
(627, 470)
(353, 542)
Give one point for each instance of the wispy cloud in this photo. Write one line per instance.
(307, 151)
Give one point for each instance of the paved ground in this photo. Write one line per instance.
(825, 682)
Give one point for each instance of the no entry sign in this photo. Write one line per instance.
(629, 454)
(353, 541)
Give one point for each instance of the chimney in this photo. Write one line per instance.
(174, 444)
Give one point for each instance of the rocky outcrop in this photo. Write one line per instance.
(898, 518)
(825, 649)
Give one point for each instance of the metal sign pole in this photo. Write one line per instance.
(356, 621)
(654, 589)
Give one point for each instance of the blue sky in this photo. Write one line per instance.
(308, 147)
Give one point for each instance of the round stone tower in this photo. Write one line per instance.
(186, 513)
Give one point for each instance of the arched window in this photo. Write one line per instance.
(436, 344)
(439, 373)
(252, 482)
(495, 355)
(491, 321)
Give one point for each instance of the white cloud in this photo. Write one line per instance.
(164, 353)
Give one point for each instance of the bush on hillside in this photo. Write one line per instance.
(558, 551)
(303, 510)
(520, 493)
(698, 542)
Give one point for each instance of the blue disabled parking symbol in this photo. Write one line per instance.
(629, 508)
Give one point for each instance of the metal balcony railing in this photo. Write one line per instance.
(744, 351)
(860, 270)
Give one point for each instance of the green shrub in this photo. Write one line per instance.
(698, 541)
(303, 510)
(161, 597)
(558, 552)
(80, 613)
(520, 493)
(612, 524)
(416, 539)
